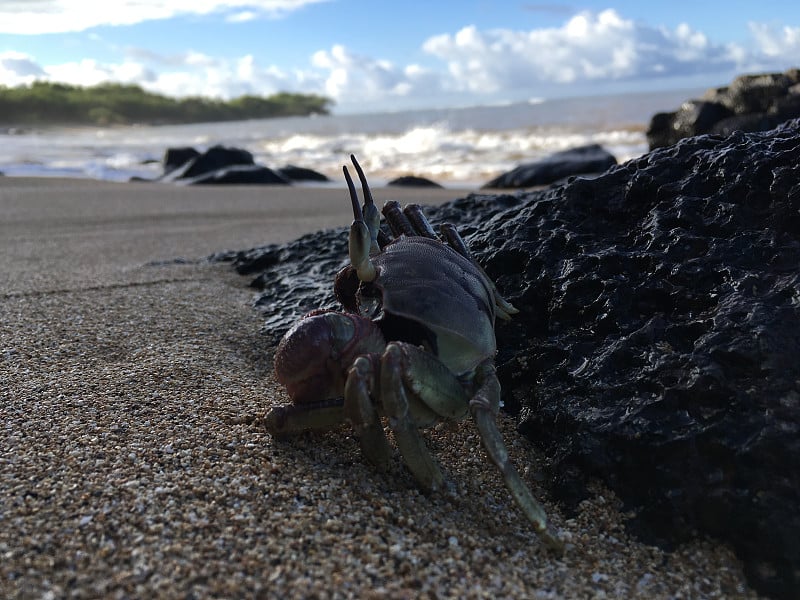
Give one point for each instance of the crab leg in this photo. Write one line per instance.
(417, 390)
(455, 241)
(294, 418)
(503, 308)
(484, 407)
(420, 223)
(434, 391)
(398, 222)
(395, 404)
(360, 411)
(360, 241)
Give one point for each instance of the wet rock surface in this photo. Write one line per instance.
(750, 103)
(187, 163)
(413, 181)
(657, 342)
(217, 165)
(177, 157)
(237, 174)
(295, 173)
(592, 158)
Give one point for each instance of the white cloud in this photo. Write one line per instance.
(225, 78)
(475, 65)
(776, 43)
(91, 72)
(242, 17)
(31, 17)
(588, 47)
(189, 74)
(356, 79)
(17, 68)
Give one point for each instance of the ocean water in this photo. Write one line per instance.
(455, 147)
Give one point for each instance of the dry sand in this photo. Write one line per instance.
(124, 475)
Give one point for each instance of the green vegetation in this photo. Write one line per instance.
(44, 103)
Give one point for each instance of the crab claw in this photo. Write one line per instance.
(370, 214)
(312, 359)
(363, 240)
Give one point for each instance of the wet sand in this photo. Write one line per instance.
(124, 471)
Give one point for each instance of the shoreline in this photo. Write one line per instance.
(107, 227)
(125, 474)
(456, 147)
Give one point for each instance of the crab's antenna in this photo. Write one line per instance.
(371, 215)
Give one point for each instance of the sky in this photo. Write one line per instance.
(374, 55)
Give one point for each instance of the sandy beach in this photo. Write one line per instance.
(125, 471)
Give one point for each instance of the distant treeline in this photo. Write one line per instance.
(43, 103)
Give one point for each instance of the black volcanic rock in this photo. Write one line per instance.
(413, 181)
(575, 161)
(237, 174)
(658, 340)
(203, 164)
(177, 157)
(215, 158)
(295, 173)
(217, 165)
(749, 103)
(661, 331)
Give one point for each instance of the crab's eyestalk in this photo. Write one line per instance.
(312, 359)
(370, 212)
(361, 241)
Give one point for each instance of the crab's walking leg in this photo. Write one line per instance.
(434, 391)
(361, 240)
(504, 308)
(360, 411)
(455, 241)
(484, 407)
(420, 222)
(406, 432)
(294, 418)
(417, 390)
(398, 222)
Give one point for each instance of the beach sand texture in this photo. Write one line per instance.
(123, 473)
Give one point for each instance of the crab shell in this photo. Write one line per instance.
(425, 285)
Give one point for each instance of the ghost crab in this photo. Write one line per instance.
(416, 347)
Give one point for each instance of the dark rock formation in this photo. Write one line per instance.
(413, 181)
(658, 340)
(237, 174)
(575, 161)
(294, 173)
(749, 103)
(219, 165)
(216, 165)
(176, 157)
(216, 157)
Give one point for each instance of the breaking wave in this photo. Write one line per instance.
(455, 147)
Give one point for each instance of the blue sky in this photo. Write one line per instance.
(369, 55)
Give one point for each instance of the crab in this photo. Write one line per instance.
(415, 347)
